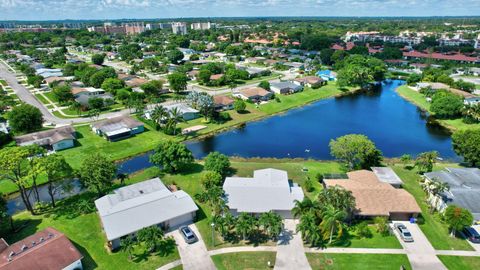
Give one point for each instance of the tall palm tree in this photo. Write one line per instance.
(127, 245)
(332, 221)
(245, 224)
(150, 236)
(302, 207)
(434, 187)
(307, 225)
(175, 118)
(271, 223)
(220, 224)
(158, 114)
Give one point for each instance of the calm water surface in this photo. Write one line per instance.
(395, 125)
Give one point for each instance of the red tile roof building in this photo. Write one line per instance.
(440, 56)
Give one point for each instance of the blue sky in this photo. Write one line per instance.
(116, 9)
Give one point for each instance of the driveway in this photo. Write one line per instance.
(420, 253)
(290, 251)
(193, 256)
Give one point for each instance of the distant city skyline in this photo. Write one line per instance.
(145, 9)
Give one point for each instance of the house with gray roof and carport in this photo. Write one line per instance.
(144, 204)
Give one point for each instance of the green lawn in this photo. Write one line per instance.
(434, 229)
(51, 96)
(89, 143)
(298, 99)
(351, 240)
(358, 261)
(460, 262)
(419, 100)
(244, 260)
(42, 99)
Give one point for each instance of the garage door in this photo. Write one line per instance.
(400, 216)
(181, 220)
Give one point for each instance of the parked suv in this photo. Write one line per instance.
(404, 232)
(188, 234)
(472, 235)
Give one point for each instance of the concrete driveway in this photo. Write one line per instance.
(420, 253)
(290, 252)
(193, 256)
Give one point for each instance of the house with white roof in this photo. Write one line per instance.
(141, 205)
(268, 190)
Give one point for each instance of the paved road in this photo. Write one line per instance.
(193, 256)
(26, 96)
(290, 251)
(420, 253)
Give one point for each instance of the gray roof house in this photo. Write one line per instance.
(285, 87)
(464, 189)
(52, 139)
(268, 190)
(144, 204)
(188, 113)
(118, 128)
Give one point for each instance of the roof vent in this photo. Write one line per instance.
(24, 247)
(12, 253)
(33, 243)
(141, 191)
(50, 235)
(41, 239)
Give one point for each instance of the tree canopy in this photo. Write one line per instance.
(466, 143)
(25, 118)
(355, 151)
(171, 156)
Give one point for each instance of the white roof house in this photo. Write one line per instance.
(268, 190)
(134, 207)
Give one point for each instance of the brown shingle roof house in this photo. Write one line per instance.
(254, 94)
(375, 198)
(223, 102)
(46, 250)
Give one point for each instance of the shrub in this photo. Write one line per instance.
(363, 231)
(239, 105)
(381, 224)
(309, 185)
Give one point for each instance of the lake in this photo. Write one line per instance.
(395, 125)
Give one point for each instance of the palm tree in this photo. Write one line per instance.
(128, 245)
(332, 221)
(245, 224)
(158, 114)
(271, 223)
(175, 118)
(77, 107)
(307, 225)
(151, 236)
(302, 207)
(434, 187)
(220, 224)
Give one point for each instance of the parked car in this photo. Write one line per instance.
(188, 234)
(404, 232)
(472, 235)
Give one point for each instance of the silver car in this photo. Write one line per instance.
(404, 232)
(188, 234)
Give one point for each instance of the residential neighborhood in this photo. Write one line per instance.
(239, 135)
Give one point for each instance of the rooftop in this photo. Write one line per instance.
(47, 137)
(269, 189)
(374, 197)
(48, 249)
(254, 91)
(141, 205)
(116, 123)
(387, 175)
(464, 186)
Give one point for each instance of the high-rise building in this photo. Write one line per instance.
(179, 28)
(201, 26)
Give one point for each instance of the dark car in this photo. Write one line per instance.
(472, 235)
(188, 234)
